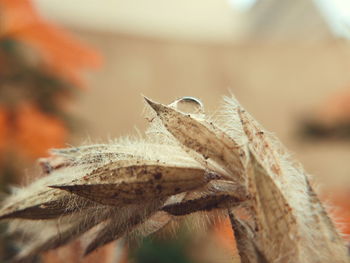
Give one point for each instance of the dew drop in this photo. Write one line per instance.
(190, 105)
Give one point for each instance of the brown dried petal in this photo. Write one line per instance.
(153, 224)
(329, 240)
(204, 203)
(46, 203)
(135, 183)
(318, 236)
(205, 139)
(122, 224)
(114, 229)
(76, 151)
(85, 160)
(261, 144)
(158, 220)
(246, 247)
(65, 234)
(48, 210)
(276, 229)
(217, 194)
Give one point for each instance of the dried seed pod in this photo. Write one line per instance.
(91, 159)
(46, 204)
(217, 194)
(247, 249)
(261, 144)
(68, 229)
(121, 224)
(76, 151)
(47, 210)
(132, 184)
(153, 224)
(203, 138)
(108, 233)
(36, 202)
(205, 203)
(329, 240)
(288, 177)
(276, 226)
(156, 221)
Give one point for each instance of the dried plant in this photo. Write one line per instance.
(186, 163)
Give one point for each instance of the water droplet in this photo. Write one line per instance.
(189, 105)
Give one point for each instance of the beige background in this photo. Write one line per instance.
(277, 83)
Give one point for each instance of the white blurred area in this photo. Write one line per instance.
(281, 58)
(207, 20)
(213, 20)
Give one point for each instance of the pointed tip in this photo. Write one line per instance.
(7, 213)
(4, 216)
(56, 186)
(89, 249)
(146, 99)
(154, 105)
(22, 258)
(61, 187)
(149, 101)
(104, 237)
(87, 252)
(97, 243)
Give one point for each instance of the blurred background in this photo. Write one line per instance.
(73, 70)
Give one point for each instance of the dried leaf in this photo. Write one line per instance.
(244, 236)
(46, 204)
(204, 203)
(135, 183)
(329, 240)
(217, 194)
(205, 139)
(121, 224)
(140, 221)
(261, 143)
(318, 238)
(65, 233)
(158, 220)
(153, 224)
(77, 151)
(277, 235)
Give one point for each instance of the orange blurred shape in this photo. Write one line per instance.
(64, 54)
(35, 132)
(3, 129)
(72, 253)
(224, 235)
(341, 213)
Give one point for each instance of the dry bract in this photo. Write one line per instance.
(186, 164)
